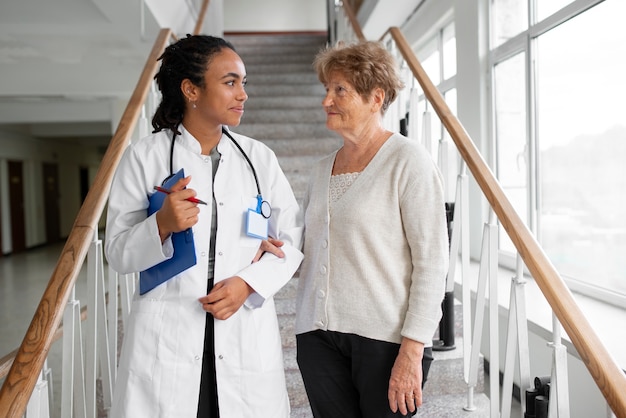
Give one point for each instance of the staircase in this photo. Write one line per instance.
(284, 111)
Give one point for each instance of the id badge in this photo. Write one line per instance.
(256, 225)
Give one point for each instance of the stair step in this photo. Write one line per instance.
(272, 68)
(285, 116)
(292, 77)
(304, 147)
(264, 131)
(255, 90)
(283, 102)
(267, 40)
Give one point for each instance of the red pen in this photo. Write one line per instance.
(167, 191)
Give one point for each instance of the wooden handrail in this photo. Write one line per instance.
(7, 361)
(608, 376)
(356, 27)
(19, 384)
(201, 16)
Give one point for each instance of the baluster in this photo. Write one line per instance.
(73, 379)
(558, 406)
(517, 341)
(112, 315)
(413, 113)
(39, 402)
(494, 329)
(97, 340)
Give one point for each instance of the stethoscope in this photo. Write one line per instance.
(263, 207)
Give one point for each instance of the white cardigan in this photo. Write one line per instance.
(376, 259)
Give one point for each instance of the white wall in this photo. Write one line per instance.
(275, 16)
(33, 153)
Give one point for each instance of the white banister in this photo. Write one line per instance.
(97, 330)
(558, 405)
(73, 377)
(39, 402)
(517, 342)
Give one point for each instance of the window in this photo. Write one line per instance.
(512, 145)
(438, 58)
(581, 134)
(560, 134)
(509, 18)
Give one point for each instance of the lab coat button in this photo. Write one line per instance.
(203, 254)
(197, 358)
(221, 253)
(221, 203)
(221, 357)
(206, 160)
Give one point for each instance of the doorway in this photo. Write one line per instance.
(52, 212)
(16, 205)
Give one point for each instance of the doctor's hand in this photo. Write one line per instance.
(226, 297)
(269, 245)
(177, 213)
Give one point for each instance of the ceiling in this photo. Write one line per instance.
(67, 67)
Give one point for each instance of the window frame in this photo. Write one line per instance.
(525, 42)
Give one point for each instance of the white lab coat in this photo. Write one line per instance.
(160, 365)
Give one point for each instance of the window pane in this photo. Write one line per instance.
(449, 52)
(582, 143)
(509, 18)
(546, 7)
(452, 157)
(511, 138)
(429, 58)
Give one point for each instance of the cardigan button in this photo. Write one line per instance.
(324, 244)
(323, 269)
(321, 294)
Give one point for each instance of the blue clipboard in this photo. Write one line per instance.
(184, 248)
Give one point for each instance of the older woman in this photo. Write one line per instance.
(376, 249)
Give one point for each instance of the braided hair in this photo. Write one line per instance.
(188, 58)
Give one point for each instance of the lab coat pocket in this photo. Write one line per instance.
(142, 337)
(266, 347)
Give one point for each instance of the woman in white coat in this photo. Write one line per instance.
(204, 343)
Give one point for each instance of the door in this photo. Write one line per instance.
(52, 212)
(16, 205)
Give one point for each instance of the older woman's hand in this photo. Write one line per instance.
(269, 245)
(405, 383)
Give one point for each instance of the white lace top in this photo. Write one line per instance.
(339, 184)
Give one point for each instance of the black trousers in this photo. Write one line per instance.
(347, 376)
(207, 402)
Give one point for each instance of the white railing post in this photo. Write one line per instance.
(494, 329)
(97, 331)
(558, 404)
(517, 341)
(112, 321)
(73, 377)
(484, 278)
(413, 114)
(127, 290)
(39, 402)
